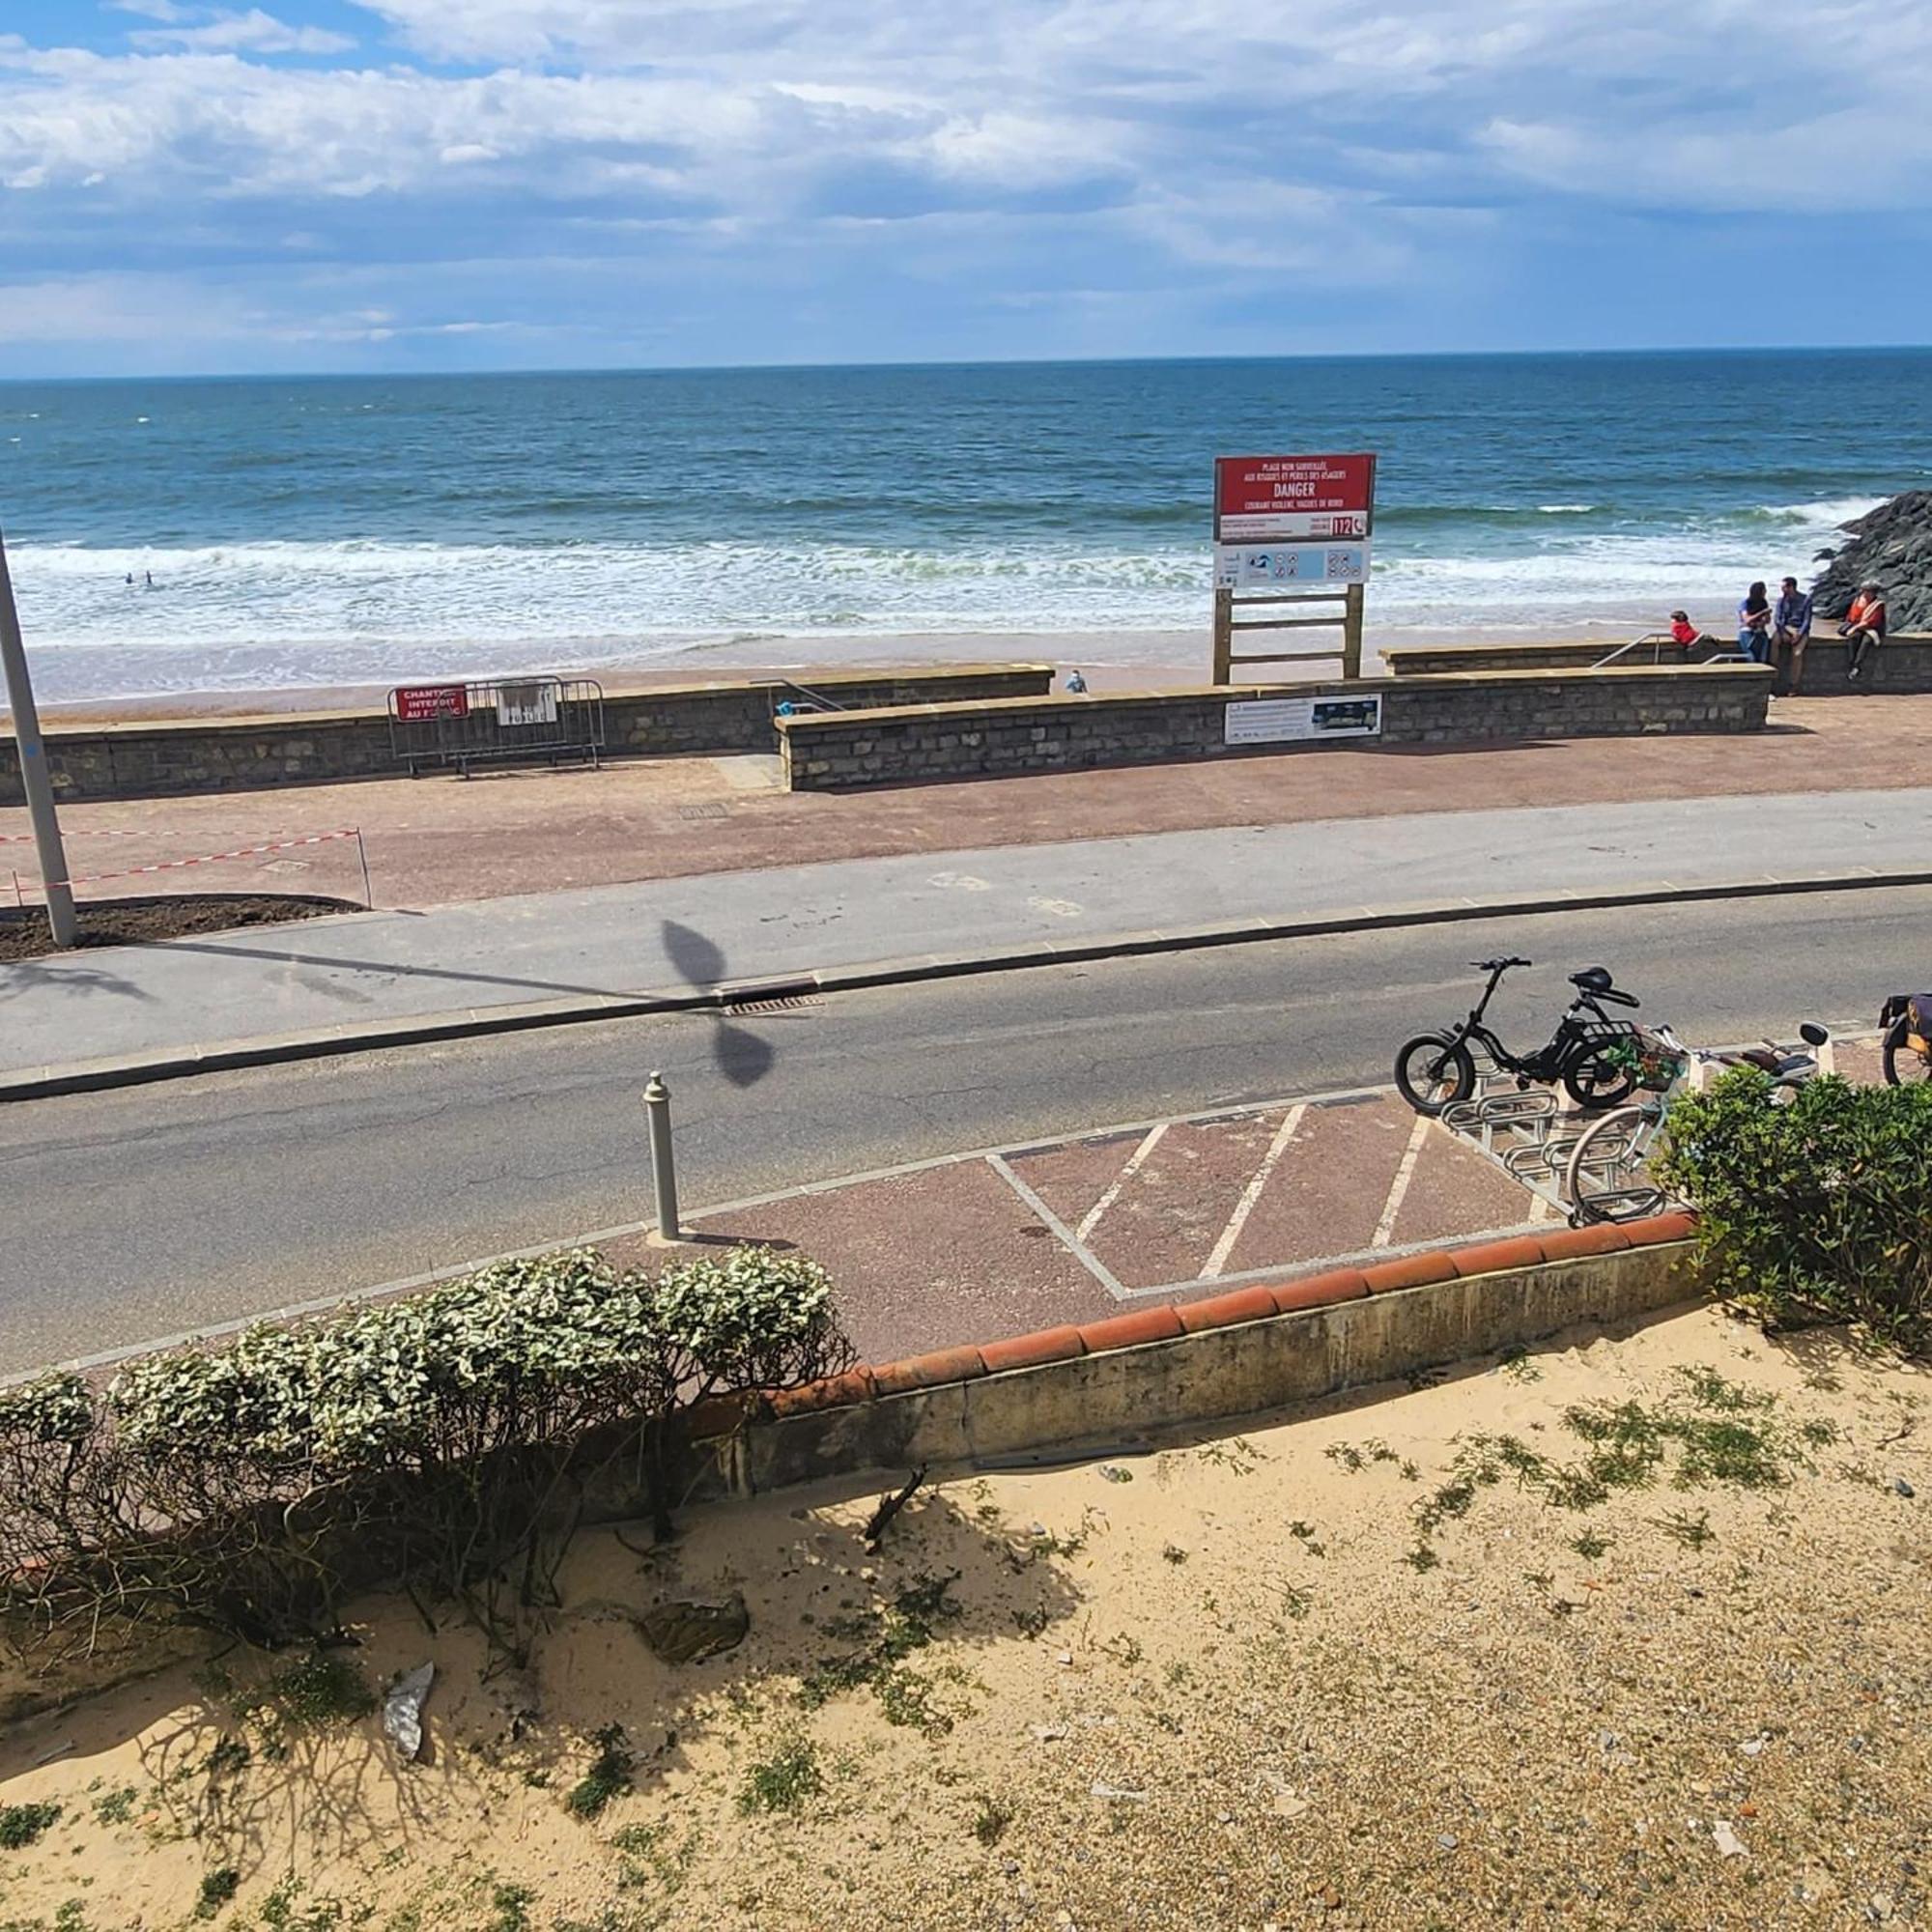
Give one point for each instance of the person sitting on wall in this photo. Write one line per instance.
(1684, 632)
(1754, 625)
(1790, 633)
(1863, 631)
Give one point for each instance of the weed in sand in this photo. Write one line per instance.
(784, 1780)
(229, 1757)
(1172, 1552)
(990, 1821)
(1421, 1559)
(310, 1693)
(1295, 1602)
(115, 1807)
(609, 1776)
(510, 1908)
(888, 1636)
(1237, 1453)
(23, 1825)
(1693, 1532)
(1590, 1546)
(1304, 1534)
(217, 1887)
(1515, 1362)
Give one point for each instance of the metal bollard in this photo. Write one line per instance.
(663, 1171)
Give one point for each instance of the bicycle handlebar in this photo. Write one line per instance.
(1499, 965)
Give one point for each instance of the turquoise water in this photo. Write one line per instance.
(326, 530)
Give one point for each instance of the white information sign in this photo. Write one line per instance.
(527, 704)
(1304, 565)
(1295, 526)
(1276, 721)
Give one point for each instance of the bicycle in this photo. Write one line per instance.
(1905, 1049)
(1605, 1179)
(1436, 1070)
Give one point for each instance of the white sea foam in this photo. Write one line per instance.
(284, 612)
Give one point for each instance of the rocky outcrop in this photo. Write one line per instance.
(1892, 547)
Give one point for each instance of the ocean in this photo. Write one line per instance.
(336, 530)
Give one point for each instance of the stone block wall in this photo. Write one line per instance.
(325, 748)
(1445, 659)
(1904, 664)
(918, 743)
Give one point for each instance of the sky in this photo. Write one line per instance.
(405, 184)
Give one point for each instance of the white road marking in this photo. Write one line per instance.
(1121, 1179)
(1087, 1258)
(1245, 1206)
(1399, 1187)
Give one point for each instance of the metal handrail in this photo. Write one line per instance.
(816, 697)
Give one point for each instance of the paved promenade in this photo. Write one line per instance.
(613, 943)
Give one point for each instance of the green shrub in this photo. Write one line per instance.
(439, 1442)
(1813, 1209)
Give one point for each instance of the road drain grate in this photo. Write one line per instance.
(704, 812)
(784, 1002)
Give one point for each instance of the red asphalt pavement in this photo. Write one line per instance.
(1003, 1241)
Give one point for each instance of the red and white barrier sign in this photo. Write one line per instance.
(422, 703)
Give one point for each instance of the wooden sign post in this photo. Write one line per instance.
(1291, 531)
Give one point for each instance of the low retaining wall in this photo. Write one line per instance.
(1904, 663)
(1174, 1367)
(142, 760)
(916, 744)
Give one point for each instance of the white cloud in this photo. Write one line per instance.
(1212, 142)
(253, 32)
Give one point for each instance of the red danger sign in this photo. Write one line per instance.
(418, 703)
(1269, 498)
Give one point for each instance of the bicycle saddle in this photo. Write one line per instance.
(1594, 982)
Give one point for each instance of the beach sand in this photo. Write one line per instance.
(1243, 1682)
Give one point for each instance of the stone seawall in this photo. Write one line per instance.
(1904, 664)
(918, 743)
(137, 760)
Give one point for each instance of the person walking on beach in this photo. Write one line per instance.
(1754, 625)
(1863, 631)
(1791, 632)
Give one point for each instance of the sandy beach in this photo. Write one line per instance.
(1379, 1662)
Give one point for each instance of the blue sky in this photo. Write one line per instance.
(362, 184)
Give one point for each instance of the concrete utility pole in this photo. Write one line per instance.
(33, 763)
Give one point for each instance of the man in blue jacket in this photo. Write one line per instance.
(1791, 632)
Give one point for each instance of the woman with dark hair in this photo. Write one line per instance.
(1754, 625)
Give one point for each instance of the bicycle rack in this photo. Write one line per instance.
(1531, 1135)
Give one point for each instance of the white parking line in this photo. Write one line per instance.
(1399, 1187)
(1070, 1241)
(1245, 1206)
(1121, 1179)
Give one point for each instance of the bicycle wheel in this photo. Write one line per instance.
(1594, 1083)
(1605, 1178)
(1433, 1071)
(1904, 1064)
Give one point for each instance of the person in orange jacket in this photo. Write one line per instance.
(1863, 631)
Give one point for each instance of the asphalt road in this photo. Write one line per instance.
(141, 1213)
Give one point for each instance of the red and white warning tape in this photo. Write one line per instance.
(206, 858)
(27, 838)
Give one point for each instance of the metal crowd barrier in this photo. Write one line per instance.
(505, 717)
